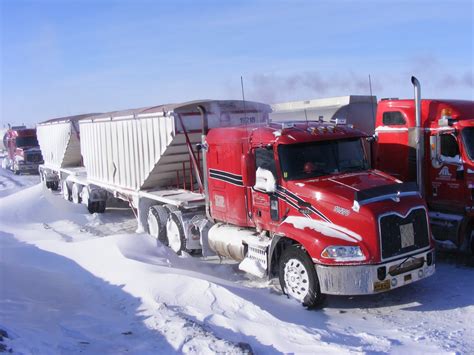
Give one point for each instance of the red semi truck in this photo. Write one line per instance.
(291, 200)
(23, 152)
(297, 201)
(446, 151)
(446, 146)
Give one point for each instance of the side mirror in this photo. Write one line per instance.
(265, 181)
(247, 162)
(437, 158)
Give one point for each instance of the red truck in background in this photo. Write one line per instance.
(23, 152)
(445, 150)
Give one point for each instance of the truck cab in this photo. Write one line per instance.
(448, 130)
(324, 222)
(24, 154)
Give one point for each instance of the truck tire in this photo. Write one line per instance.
(76, 193)
(298, 278)
(157, 218)
(65, 190)
(175, 234)
(54, 185)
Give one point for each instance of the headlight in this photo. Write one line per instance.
(21, 162)
(343, 253)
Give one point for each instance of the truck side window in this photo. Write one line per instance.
(265, 159)
(393, 118)
(449, 145)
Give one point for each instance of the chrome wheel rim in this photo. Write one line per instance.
(296, 279)
(75, 193)
(152, 225)
(174, 239)
(65, 191)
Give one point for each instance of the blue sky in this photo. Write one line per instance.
(61, 58)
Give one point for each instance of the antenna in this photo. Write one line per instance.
(371, 96)
(243, 97)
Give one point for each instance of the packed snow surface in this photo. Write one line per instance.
(71, 283)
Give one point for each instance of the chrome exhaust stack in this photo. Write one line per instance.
(420, 147)
(205, 128)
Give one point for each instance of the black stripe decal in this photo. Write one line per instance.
(298, 199)
(226, 179)
(225, 173)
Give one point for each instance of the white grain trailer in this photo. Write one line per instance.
(358, 111)
(150, 157)
(59, 142)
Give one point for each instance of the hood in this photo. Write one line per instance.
(332, 203)
(340, 188)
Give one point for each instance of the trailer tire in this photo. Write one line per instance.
(66, 191)
(298, 278)
(157, 218)
(175, 234)
(76, 193)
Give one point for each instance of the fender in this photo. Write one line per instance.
(314, 237)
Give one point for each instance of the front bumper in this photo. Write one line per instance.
(354, 280)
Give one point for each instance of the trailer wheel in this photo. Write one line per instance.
(54, 185)
(76, 193)
(65, 190)
(298, 278)
(175, 233)
(157, 218)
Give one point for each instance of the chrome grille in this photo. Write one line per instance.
(400, 235)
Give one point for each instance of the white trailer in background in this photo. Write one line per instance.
(148, 157)
(59, 142)
(358, 111)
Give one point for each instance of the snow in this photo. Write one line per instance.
(71, 282)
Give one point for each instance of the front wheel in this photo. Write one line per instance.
(298, 278)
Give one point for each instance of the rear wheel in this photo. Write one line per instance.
(76, 193)
(298, 278)
(65, 190)
(157, 218)
(175, 233)
(54, 185)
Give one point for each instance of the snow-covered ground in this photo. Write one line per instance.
(71, 282)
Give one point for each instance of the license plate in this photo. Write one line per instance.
(382, 286)
(407, 235)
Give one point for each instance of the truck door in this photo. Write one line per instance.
(394, 152)
(265, 205)
(446, 173)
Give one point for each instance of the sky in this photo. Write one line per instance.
(61, 58)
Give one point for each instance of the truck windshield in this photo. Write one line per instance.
(26, 142)
(309, 160)
(468, 140)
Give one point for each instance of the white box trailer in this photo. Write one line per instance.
(358, 111)
(59, 142)
(148, 157)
